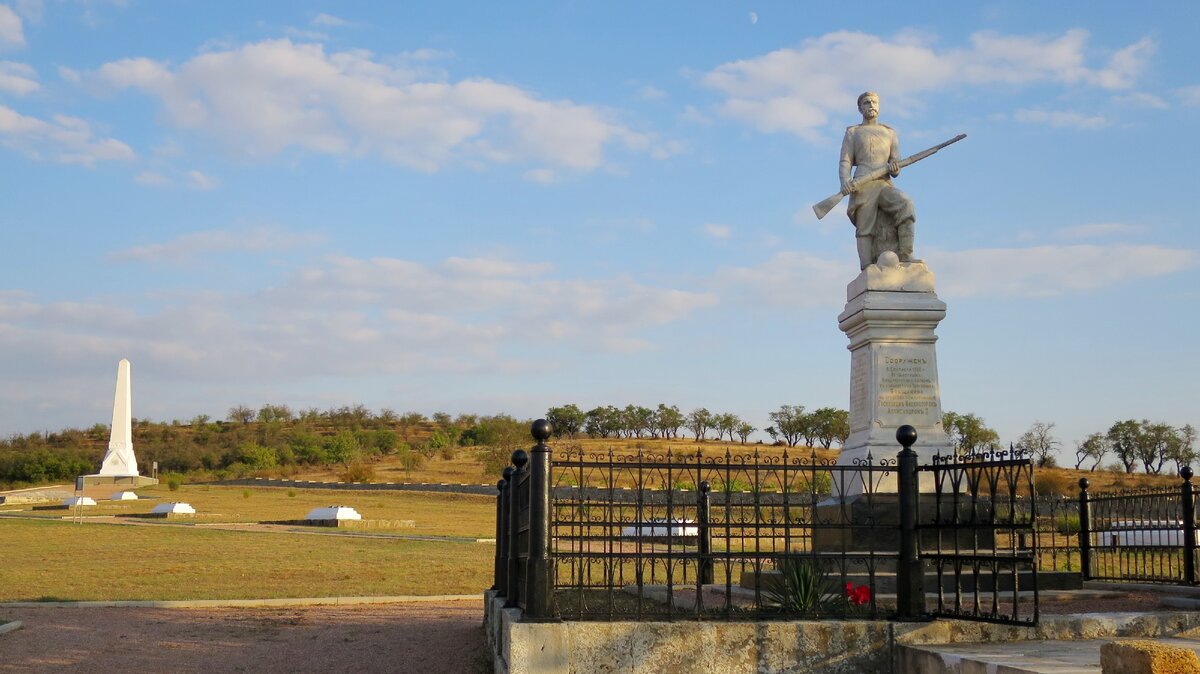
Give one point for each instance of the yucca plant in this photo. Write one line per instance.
(802, 586)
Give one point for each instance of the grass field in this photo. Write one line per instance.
(59, 560)
(435, 514)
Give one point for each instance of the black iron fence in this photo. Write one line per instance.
(1144, 535)
(667, 536)
(981, 536)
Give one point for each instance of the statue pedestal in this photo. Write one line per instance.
(890, 316)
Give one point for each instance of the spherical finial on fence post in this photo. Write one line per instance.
(705, 486)
(1186, 473)
(507, 473)
(520, 458)
(906, 435)
(541, 430)
(500, 485)
(1083, 484)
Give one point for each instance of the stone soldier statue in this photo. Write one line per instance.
(883, 216)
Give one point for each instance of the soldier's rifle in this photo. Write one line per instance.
(822, 208)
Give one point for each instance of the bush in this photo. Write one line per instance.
(173, 480)
(1054, 484)
(358, 472)
(1067, 524)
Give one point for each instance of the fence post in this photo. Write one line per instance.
(514, 489)
(1189, 526)
(704, 502)
(539, 594)
(1085, 530)
(498, 568)
(910, 581)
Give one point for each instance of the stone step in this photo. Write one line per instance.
(885, 582)
(1020, 657)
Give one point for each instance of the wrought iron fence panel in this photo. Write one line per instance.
(978, 534)
(693, 536)
(1142, 535)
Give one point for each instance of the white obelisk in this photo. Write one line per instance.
(119, 460)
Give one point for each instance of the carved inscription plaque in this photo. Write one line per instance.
(908, 389)
(860, 389)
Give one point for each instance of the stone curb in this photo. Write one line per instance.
(11, 626)
(1166, 588)
(241, 603)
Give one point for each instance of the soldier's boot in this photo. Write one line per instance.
(864, 251)
(905, 234)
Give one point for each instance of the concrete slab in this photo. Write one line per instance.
(1021, 657)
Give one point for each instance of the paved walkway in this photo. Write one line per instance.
(1020, 657)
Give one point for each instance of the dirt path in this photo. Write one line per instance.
(417, 637)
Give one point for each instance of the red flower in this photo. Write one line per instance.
(858, 595)
(862, 595)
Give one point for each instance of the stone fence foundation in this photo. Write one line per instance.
(823, 647)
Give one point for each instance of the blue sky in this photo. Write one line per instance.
(480, 207)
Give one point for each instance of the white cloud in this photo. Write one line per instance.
(17, 78)
(63, 139)
(1060, 118)
(200, 181)
(349, 317)
(799, 90)
(791, 279)
(1189, 94)
(716, 231)
(328, 20)
(12, 32)
(150, 178)
(1044, 271)
(68, 75)
(753, 18)
(267, 97)
(541, 176)
(258, 239)
(1142, 99)
(651, 93)
(1098, 230)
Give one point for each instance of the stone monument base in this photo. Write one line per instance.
(862, 523)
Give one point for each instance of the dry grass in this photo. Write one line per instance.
(435, 514)
(63, 561)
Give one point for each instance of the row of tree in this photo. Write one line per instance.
(1152, 444)
(790, 424)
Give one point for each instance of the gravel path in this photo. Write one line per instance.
(417, 637)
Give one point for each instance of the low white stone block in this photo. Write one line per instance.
(79, 501)
(662, 527)
(174, 508)
(123, 496)
(333, 513)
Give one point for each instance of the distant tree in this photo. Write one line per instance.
(699, 421)
(272, 413)
(388, 416)
(1040, 442)
(241, 414)
(1094, 447)
(1157, 442)
(442, 419)
(726, 424)
(744, 430)
(829, 424)
(669, 420)
(968, 433)
(1124, 437)
(567, 421)
(637, 420)
(343, 448)
(1185, 448)
(790, 423)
